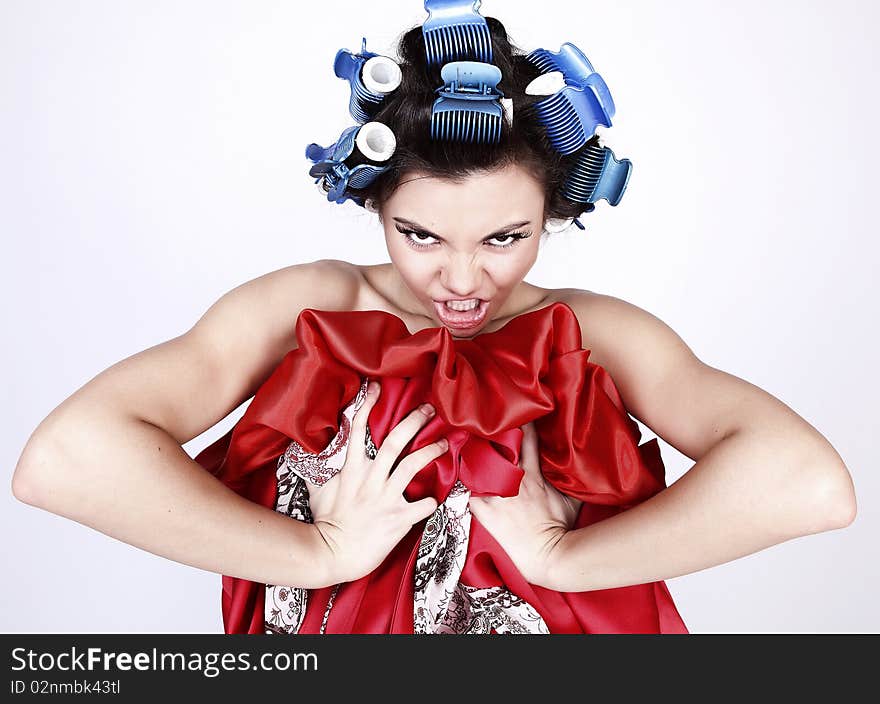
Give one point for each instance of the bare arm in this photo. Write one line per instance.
(763, 474)
(131, 480)
(110, 455)
(746, 494)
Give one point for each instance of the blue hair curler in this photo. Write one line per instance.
(571, 115)
(372, 78)
(353, 161)
(595, 175)
(469, 107)
(456, 31)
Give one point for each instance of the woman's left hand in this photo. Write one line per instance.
(529, 525)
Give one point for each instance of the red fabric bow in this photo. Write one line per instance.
(484, 389)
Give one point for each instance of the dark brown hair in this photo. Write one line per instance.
(407, 111)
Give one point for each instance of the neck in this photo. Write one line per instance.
(403, 297)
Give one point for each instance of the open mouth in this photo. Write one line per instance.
(461, 319)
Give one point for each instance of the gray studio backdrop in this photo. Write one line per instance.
(152, 159)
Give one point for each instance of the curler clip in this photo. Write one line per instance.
(456, 31)
(597, 174)
(469, 107)
(372, 78)
(354, 161)
(571, 115)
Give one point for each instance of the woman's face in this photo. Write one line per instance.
(476, 239)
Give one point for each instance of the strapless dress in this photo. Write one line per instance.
(448, 574)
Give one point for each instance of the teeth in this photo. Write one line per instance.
(463, 305)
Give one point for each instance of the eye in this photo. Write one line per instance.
(419, 245)
(514, 238)
(511, 239)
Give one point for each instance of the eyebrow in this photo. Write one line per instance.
(425, 231)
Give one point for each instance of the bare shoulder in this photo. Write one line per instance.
(614, 329)
(260, 315)
(324, 284)
(272, 302)
(662, 383)
(188, 383)
(689, 404)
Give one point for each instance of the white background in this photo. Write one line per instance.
(152, 158)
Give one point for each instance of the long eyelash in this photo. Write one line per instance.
(515, 235)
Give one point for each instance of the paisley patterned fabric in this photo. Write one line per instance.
(442, 604)
(448, 574)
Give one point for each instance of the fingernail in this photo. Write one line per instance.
(427, 409)
(373, 387)
(443, 443)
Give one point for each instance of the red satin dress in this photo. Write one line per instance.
(448, 574)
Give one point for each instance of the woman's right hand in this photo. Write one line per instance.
(361, 512)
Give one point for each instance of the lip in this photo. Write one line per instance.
(440, 308)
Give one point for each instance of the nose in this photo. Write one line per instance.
(462, 276)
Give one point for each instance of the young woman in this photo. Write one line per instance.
(518, 500)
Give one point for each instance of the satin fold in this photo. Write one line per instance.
(484, 389)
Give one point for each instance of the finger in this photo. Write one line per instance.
(359, 421)
(526, 456)
(421, 509)
(399, 436)
(481, 506)
(531, 447)
(488, 500)
(476, 511)
(414, 463)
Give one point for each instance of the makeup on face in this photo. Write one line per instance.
(462, 247)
